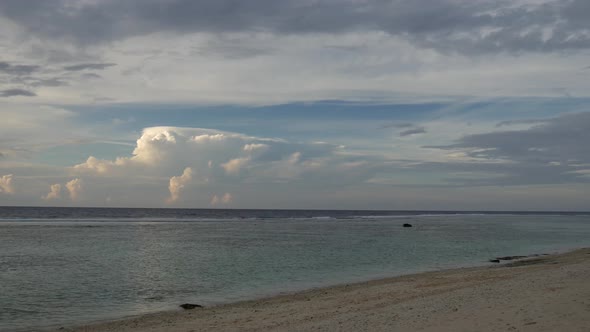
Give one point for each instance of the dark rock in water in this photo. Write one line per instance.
(407, 225)
(494, 261)
(188, 306)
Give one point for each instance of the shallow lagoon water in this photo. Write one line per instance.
(74, 269)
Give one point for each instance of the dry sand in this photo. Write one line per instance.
(549, 293)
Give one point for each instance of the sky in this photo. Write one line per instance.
(301, 104)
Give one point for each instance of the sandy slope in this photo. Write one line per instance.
(551, 293)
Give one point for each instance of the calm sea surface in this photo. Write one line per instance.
(63, 266)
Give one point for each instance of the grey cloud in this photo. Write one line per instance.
(90, 76)
(39, 76)
(231, 48)
(16, 92)
(231, 52)
(397, 125)
(7, 68)
(92, 66)
(455, 26)
(547, 153)
(346, 48)
(102, 99)
(412, 131)
(560, 139)
(408, 128)
(51, 82)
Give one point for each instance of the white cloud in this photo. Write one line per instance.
(99, 166)
(227, 198)
(217, 159)
(163, 148)
(177, 184)
(74, 188)
(221, 200)
(233, 166)
(161, 151)
(54, 192)
(255, 147)
(6, 185)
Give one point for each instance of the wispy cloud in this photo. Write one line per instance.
(525, 121)
(17, 92)
(412, 131)
(89, 66)
(8, 68)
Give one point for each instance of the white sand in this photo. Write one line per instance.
(551, 293)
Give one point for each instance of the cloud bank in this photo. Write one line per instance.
(161, 150)
(449, 25)
(550, 152)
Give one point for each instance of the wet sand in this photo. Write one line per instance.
(546, 293)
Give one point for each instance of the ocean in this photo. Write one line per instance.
(68, 266)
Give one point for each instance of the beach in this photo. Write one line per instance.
(543, 293)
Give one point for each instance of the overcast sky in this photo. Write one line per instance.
(336, 104)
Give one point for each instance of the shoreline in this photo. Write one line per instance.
(342, 307)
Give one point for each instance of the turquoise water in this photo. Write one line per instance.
(65, 271)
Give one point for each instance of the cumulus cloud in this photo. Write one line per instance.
(214, 159)
(233, 166)
(100, 166)
(6, 185)
(74, 188)
(160, 150)
(177, 184)
(255, 147)
(54, 192)
(221, 199)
